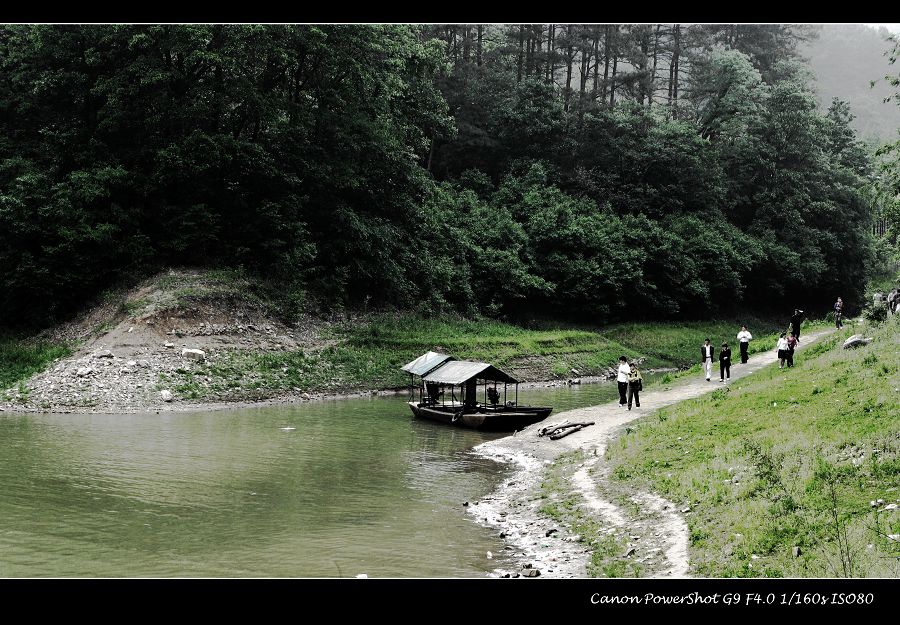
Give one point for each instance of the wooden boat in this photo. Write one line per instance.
(487, 418)
(441, 373)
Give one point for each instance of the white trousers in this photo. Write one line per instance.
(707, 365)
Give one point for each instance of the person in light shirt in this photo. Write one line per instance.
(622, 379)
(744, 337)
(782, 348)
(706, 353)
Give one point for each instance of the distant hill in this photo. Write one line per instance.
(845, 59)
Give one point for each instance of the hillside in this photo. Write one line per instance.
(125, 353)
(788, 473)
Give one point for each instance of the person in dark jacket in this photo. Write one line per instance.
(725, 362)
(796, 321)
(838, 311)
(792, 345)
(635, 385)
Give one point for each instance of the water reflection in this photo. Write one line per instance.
(356, 486)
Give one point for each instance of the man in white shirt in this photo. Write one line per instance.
(622, 379)
(744, 337)
(706, 352)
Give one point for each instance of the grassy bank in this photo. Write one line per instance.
(19, 359)
(368, 355)
(780, 468)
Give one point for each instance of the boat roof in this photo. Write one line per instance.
(426, 362)
(459, 371)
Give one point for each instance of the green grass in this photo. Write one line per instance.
(883, 282)
(369, 355)
(20, 359)
(783, 459)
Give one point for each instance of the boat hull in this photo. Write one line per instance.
(501, 419)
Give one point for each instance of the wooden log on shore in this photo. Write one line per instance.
(547, 429)
(573, 427)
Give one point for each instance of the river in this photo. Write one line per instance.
(323, 489)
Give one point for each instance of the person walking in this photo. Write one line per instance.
(838, 310)
(706, 355)
(796, 322)
(792, 344)
(744, 337)
(635, 385)
(622, 379)
(782, 350)
(725, 362)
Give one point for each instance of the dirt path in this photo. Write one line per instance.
(653, 531)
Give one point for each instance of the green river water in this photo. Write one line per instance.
(358, 486)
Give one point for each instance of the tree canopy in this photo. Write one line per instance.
(585, 171)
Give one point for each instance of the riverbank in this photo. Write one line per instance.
(126, 353)
(570, 509)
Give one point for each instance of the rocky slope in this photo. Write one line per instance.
(130, 347)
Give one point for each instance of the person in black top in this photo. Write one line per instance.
(725, 362)
(796, 320)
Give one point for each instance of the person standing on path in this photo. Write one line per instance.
(622, 379)
(635, 385)
(744, 337)
(725, 362)
(792, 345)
(782, 350)
(796, 322)
(838, 309)
(706, 353)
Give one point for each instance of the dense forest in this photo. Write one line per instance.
(595, 172)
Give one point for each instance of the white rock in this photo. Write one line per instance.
(169, 345)
(103, 353)
(132, 363)
(84, 371)
(131, 329)
(193, 354)
(166, 395)
(362, 576)
(891, 506)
